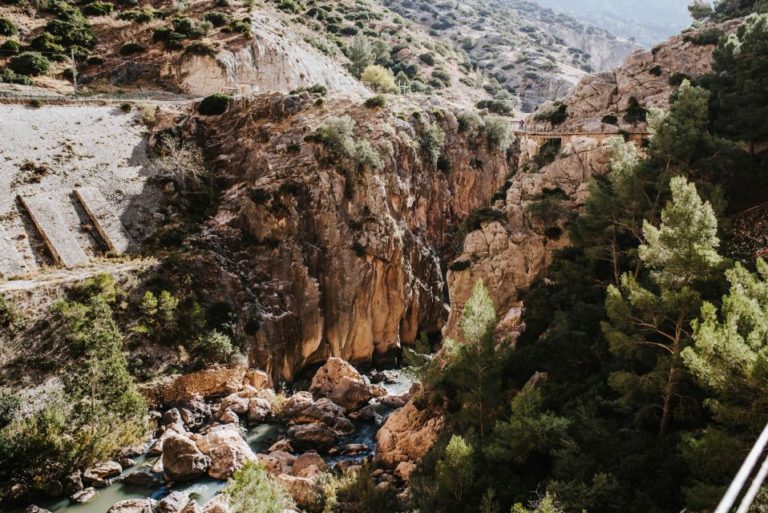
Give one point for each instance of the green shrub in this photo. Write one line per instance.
(366, 157)
(10, 77)
(431, 142)
(497, 133)
(139, 16)
(29, 63)
(477, 217)
(460, 265)
(10, 47)
(213, 105)
(678, 78)
(427, 58)
(635, 112)
(349, 30)
(556, 114)
(470, 123)
(375, 101)
(243, 26)
(131, 48)
(215, 18)
(500, 107)
(610, 119)
(656, 71)
(442, 76)
(199, 48)
(709, 36)
(379, 78)
(7, 27)
(547, 152)
(214, 346)
(72, 32)
(189, 29)
(253, 490)
(98, 9)
(337, 135)
(46, 42)
(95, 60)
(9, 406)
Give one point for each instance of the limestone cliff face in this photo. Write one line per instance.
(275, 59)
(326, 259)
(649, 76)
(509, 254)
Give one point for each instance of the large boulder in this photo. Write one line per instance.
(194, 412)
(215, 381)
(407, 435)
(342, 384)
(306, 493)
(327, 412)
(308, 464)
(174, 502)
(316, 436)
(227, 449)
(182, 460)
(133, 506)
(99, 475)
(294, 405)
(277, 462)
(259, 410)
(217, 505)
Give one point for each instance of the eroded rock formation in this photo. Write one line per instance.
(323, 257)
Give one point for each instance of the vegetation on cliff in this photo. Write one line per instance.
(634, 387)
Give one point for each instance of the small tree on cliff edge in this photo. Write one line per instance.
(474, 369)
(654, 318)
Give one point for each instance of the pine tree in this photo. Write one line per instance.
(360, 55)
(474, 365)
(680, 255)
(740, 65)
(729, 358)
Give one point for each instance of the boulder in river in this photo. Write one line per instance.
(407, 435)
(84, 495)
(259, 409)
(174, 502)
(307, 493)
(326, 411)
(341, 383)
(308, 464)
(142, 479)
(100, 474)
(35, 509)
(226, 448)
(316, 436)
(133, 506)
(182, 460)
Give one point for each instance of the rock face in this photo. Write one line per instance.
(321, 257)
(407, 435)
(342, 384)
(274, 60)
(315, 436)
(226, 448)
(645, 75)
(509, 254)
(182, 460)
(186, 390)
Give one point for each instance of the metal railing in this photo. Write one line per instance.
(749, 476)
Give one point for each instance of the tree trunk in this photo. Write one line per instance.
(669, 388)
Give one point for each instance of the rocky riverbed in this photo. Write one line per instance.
(210, 423)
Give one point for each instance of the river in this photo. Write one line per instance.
(259, 438)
